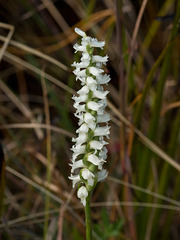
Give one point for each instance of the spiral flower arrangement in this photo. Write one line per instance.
(89, 151)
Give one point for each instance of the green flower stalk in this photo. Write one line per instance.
(89, 151)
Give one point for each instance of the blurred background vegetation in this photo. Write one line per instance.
(140, 198)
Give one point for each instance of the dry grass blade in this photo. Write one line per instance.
(61, 215)
(7, 39)
(27, 218)
(43, 190)
(170, 106)
(24, 109)
(94, 19)
(20, 105)
(48, 150)
(35, 185)
(38, 126)
(55, 14)
(136, 28)
(136, 204)
(36, 53)
(154, 194)
(144, 139)
(21, 63)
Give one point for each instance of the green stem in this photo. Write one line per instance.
(88, 218)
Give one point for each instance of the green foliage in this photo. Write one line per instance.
(106, 228)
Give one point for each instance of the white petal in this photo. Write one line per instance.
(75, 179)
(95, 71)
(80, 73)
(83, 128)
(90, 120)
(100, 88)
(77, 164)
(84, 90)
(103, 118)
(82, 79)
(97, 58)
(82, 193)
(102, 175)
(102, 131)
(93, 105)
(91, 83)
(96, 145)
(82, 138)
(78, 47)
(86, 41)
(103, 79)
(103, 104)
(83, 64)
(103, 153)
(96, 43)
(77, 150)
(99, 64)
(100, 94)
(81, 98)
(85, 57)
(79, 115)
(95, 160)
(88, 175)
(79, 107)
(80, 32)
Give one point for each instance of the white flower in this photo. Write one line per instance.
(75, 179)
(95, 71)
(90, 120)
(83, 128)
(82, 138)
(91, 84)
(88, 175)
(93, 105)
(85, 57)
(97, 58)
(83, 91)
(96, 43)
(100, 94)
(79, 73)
(78, 47)
(80, 116)
(77, 149)
(102, 131)
(96, 161)
(81, 98)
(82, 194)
(81, 64)
(76, 165)
(89, 151)
(94, 144)
(79, 107)
(103, 79)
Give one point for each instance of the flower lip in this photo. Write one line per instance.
(77, 164)
(82, 194)
(75, 179)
